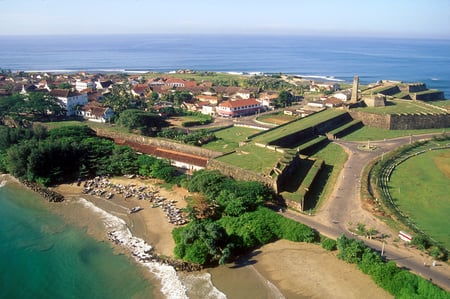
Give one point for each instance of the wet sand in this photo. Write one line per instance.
(281, 269)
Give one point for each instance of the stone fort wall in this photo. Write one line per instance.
(166, 144)
(402, 121)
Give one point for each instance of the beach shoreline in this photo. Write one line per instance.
(287, 269)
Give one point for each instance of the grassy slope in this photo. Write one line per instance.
(401, 106)
(298, 125)
(228, 139)
(419, 187)
(369, 133)
(254, 158)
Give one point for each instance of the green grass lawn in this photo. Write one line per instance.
(420, 186)
(401, 106)
(254, 158)
(228, 139)
(298, 125)
(369, 133)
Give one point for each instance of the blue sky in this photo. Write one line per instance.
(381, 18)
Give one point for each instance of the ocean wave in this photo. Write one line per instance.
(172, 287)
(327, 78)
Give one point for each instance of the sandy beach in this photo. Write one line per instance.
(296, 270)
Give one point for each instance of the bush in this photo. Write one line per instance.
(329, 244)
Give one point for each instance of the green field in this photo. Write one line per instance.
(420, 188)
(401, 106)
(228, 139)
(252, 157)
(298, 125)
(369, 133)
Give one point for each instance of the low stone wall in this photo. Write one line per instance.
(166, 144)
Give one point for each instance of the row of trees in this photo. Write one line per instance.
(228, 218)
(399, 282)
(67, 153)
(35, 105)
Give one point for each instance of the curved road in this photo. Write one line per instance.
(343, 210)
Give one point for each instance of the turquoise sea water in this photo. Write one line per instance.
(42, 257)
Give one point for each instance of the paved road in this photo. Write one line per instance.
(344, 210)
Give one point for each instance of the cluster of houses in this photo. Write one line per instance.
(82, 94)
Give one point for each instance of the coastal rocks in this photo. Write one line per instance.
(143, 252)
(102, 187)
(49, 195)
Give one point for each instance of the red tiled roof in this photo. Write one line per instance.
(239, 103)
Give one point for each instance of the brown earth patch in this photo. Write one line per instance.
(442, 162)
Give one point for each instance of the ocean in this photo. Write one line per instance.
(321, 58)
(41, 256)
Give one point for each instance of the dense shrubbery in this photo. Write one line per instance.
(240, 220)
(399, 282)
(328, 244)
(66, 153)
(145, 122)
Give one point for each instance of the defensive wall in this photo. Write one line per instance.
(309, 133)
(157, 142)
(240, 174)
(402, 121)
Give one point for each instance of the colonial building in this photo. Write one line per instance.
(239, 107)
(96, 112)
(69, 100)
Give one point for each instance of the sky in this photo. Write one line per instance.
(378, 18)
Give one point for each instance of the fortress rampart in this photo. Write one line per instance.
(403, 121)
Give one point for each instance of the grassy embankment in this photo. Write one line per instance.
(228, 139)
(401, 107)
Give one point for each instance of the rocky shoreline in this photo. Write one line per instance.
(47, 194)
(142, 252)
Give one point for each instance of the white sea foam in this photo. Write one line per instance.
(202, 285)
(172, 287)
(3, 180)
(326, 78)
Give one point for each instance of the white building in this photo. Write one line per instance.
(83, 84)
(95, 112)
(69, 100)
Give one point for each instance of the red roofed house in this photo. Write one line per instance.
(175, 82)
(141, 90)
(238, 107)
(93, 111)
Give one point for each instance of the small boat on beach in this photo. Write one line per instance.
(135, 209)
